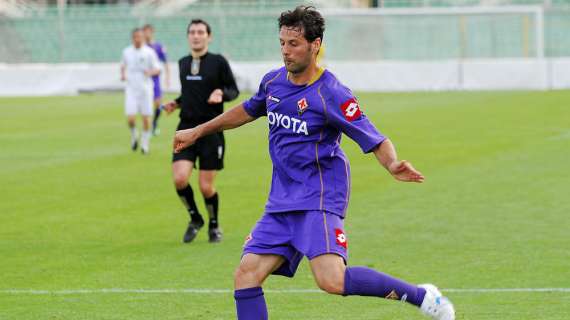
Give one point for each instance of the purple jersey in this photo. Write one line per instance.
(161, 53)
(310, 170)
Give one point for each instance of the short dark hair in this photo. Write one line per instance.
(148, 26)
(135, 30)
(306, 18)
(199, 21)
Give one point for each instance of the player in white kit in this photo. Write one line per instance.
(138, 64)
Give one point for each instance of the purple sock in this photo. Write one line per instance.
(362, 281)
(250, 304)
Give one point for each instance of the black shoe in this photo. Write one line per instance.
(215, 235)
(135, 145)
(192, 231)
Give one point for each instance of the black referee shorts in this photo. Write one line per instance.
(208, 151)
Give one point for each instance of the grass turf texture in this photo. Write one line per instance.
(79, 210)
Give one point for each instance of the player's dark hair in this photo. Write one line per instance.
(199, 21)
(135, 30)
(148, 26)
(307, 19)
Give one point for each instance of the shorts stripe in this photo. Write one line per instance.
(326, 232)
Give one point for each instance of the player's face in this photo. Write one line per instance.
(138, 39)
(198, 37)
(148, 34)
(297, 52)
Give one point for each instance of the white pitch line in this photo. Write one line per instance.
(228, 291)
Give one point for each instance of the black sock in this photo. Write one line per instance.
(187, 197)
(155, 119)
(212, 207)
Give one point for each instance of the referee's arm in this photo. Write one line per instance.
(229, 89)
(233, 118)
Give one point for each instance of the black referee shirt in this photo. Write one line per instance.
(198, 81)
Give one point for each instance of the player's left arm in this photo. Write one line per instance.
(154, 68)
(401, 170)
(345, 114)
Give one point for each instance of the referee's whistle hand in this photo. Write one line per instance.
(216, 96)
(184, 138)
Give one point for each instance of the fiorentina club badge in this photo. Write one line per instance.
(302, 105)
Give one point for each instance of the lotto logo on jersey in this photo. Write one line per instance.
(341, 238)
(350, 109)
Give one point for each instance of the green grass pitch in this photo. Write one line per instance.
(80, 211)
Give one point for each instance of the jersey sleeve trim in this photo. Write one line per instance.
(271, 80)
(324, 103)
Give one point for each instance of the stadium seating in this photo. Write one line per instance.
(246, 31)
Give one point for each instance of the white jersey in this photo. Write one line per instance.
(136, 62)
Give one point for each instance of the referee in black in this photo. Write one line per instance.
(207, 82)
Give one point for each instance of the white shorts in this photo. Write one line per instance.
(138, 102)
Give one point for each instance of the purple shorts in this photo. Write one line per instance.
(157, 92)
(297, 234)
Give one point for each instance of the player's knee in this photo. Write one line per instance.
(207, 189)
(331, 284)
(246, 275)
(180, 181)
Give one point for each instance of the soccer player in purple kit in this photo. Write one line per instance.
(148, 31)
(308, 109)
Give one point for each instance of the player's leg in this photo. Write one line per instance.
(248, 278)
(333, 276)
(181, 171)
(211, 153)
(131, 121)
(255, 268)
(146, 112)
(131, 112)
(157, 96)
(267, 250)
(145, 137)
(206, 182)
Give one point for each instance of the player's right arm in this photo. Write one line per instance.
(123, 66)
(123, 77)
(237, 116)
(233, 118)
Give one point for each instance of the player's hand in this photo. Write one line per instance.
(216, 96)
(123, 78)
(170, 107)
(404, 171)
(185, 138)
